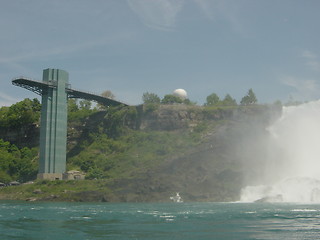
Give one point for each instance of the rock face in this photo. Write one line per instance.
(175, 117)
(167, 119)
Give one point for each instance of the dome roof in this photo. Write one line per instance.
(181, 93)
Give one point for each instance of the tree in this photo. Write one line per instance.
(171, 99)
(85, 104)
(72, 105)
(249, 99)
(4, 123)
(108, 94)
(229, 101)
(20, 114)
(212, 99)
(17, 164)
(150, 98)
(188, 102)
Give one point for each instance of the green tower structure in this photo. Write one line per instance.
(53, 132)
(55, 90)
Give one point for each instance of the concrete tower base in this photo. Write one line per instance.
(50, 176)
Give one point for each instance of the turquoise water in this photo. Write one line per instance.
(21, 220)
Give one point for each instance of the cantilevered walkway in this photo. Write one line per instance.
(38, 88)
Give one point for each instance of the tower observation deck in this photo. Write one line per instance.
(55, 91)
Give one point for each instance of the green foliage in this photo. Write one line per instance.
(136, 151)
(171, 99)
(151, 102)
(150, 98)
(94, 173)
(212, 99)
(4, 121)
(107, 94)
(17, 164)
(229, 101)
(20, 114)
(150, 107)
(72, 105)
(201, 127)
(85, 104)
(188, 102)
(117, 119)
(249, 99)
(79, 114)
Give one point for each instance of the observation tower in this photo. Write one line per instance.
(55, 91)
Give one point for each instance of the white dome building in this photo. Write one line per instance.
(181, 93)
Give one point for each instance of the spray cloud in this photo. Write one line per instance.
(290, 161)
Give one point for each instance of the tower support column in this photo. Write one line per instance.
(53, 131)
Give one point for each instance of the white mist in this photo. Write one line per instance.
(292, 168)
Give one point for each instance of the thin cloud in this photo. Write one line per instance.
(16, 62)
(315, 65)
(213, 9)
(304, 88)
(66, 49)
(158, 14)
(309, 55)
(311, 60)
(6, 100)
(206, 8)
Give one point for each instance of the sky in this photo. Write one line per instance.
(135, 46)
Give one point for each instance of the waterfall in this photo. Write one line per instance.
(292, 168)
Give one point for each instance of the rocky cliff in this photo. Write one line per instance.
(224, 143)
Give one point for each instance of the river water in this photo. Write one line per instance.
(29, 220)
